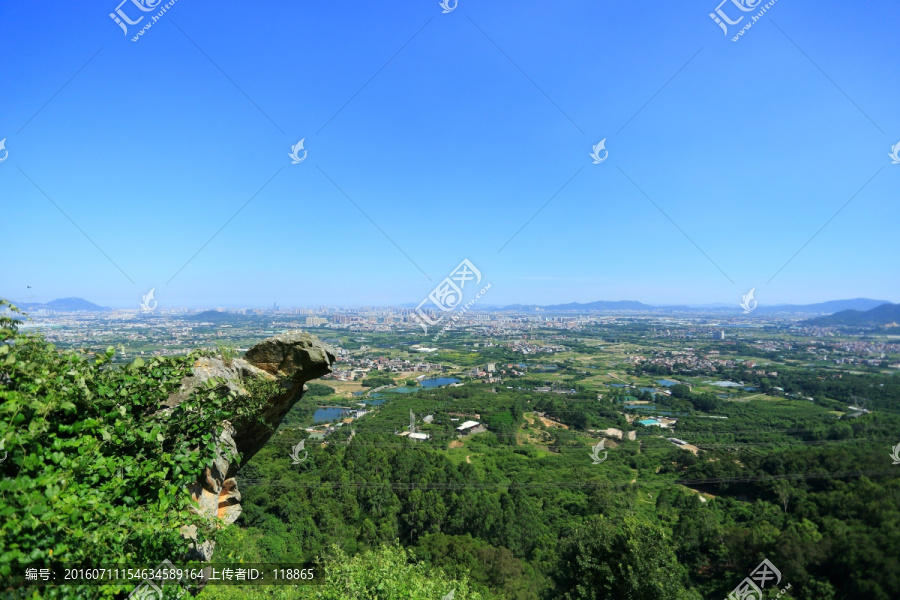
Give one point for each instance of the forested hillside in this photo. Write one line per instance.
(539, 520)
(530, 506)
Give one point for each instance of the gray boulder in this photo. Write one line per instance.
(292, 359)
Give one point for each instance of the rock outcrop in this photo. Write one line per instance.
(292, 358)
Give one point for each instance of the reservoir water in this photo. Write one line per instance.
(438, 382)
(325, 415)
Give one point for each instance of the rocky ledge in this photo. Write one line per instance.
(292, 358)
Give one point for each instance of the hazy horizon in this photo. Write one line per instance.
(475, 308)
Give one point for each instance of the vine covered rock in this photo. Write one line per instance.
(110, 459)
(283, 364)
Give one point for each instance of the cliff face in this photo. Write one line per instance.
(292, 358)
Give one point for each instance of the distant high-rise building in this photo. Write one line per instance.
(719, 335)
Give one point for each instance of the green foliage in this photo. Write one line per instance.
(377, 381)
(632, 559)
(95, 473)
(385, 573)
(228, 353)
(492, 567)
(518, 512)
(317, 390)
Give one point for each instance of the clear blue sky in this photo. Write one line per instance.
(450, 131)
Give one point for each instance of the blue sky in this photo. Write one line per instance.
(435, 137)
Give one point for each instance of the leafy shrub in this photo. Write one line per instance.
(94, 475)
(383, 574)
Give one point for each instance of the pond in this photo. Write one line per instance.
(438, 382)
(324, 415)
(434, 382)
(375, 399)
(667, 382)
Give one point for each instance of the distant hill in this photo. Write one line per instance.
(832, 306)
(876, 317)
(214, 316)
(826, 308)
(64, 305)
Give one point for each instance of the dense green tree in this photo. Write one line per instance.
(632, 559)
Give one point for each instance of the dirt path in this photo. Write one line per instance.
(468, 458)
(691, 448)
(552, 423)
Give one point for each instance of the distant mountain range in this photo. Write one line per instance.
(63, 305)
(886, 314)
(833, 306)
(855, 309)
